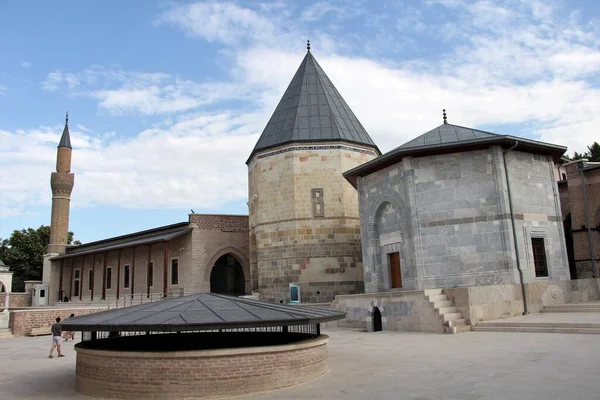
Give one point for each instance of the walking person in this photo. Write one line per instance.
(70, 334)
(56, 338)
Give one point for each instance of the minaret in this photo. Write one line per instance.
(61, 183)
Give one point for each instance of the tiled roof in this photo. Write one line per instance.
(312, 110)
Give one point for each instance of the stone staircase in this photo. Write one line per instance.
(593, 307)
(453, 319)
(540, 327)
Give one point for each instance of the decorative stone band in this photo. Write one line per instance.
(198, 374)
(311, 148)
(497, 217)
(304, 219)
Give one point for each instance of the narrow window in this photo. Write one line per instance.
(317, 202)
(90, 279)
(539, 257)
(150, 273)
(175, 272)
(76, 284)
(564, 176)
(126, 276)
(109, 278)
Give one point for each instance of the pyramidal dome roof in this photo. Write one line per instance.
(312, 110)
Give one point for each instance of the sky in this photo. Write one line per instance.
(166, 99)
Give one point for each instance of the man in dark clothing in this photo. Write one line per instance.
(56, 338)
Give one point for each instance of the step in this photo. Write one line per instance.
(462, 328)
(452, 316)
(541, 324)
(443, 303)
(447, 310)
(438, 297)
(575, 305)
(531, 329)
(40, 331)
(570, 310)
(457, 322)
(431, 292)
(5, 334)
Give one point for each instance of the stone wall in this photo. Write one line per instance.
(198, 374)
(23, 321)
(213, 237)
(298, 241)
(485, 303)
(400, 311)
(449, 218)
(16, 300)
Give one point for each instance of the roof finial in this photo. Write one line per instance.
(445, 120)
(308, 45)
(67, 118)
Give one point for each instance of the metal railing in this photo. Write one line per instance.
(128, 300)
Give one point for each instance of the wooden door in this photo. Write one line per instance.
(395, 275)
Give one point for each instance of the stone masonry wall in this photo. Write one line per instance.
(16, 300)
(23, 321)
(448, 217)
(321, 253)
(215, 236)
(400, 311)
(198, 374)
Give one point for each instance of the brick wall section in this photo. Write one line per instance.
(23, 321)
(223, 223)
(576, 206)
(16, 300)
(134, 375)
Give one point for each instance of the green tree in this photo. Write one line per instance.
(593, 153)
(24, 252)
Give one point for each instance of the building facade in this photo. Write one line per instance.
(459, 207)
(304, 222)
(580, 203)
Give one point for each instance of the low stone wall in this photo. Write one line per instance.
(23, 321)
(400, 311)
(196, 374)
(16, 300)
(485, 303)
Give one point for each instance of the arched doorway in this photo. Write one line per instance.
(227, 276)
(377, 325)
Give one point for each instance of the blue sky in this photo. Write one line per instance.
(167, 98)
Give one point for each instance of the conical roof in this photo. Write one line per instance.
(445, 134)
(65, 139)
(200, 311)
(312, 110)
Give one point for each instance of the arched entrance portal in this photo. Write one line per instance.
(377, 325)
(227, 277)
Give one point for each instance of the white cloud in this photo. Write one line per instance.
(538, 74)
(26, 64)
(197, 161)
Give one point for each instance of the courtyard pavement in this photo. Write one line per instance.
(380, 365)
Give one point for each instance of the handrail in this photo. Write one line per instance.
(129, 300)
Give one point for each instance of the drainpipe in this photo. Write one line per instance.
(514, 228)
(587, 221)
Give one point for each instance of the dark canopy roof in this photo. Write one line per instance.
(448, 138)
(201, 311)
(312, 110)
(162, 234)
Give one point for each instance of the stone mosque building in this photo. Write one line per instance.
(332, 219)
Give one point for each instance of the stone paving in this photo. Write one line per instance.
(381, 365)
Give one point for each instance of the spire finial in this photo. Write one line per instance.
(308, 45)
(67, 118)
(445, 119)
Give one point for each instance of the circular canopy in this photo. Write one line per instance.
(203, 311)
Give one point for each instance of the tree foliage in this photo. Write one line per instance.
(593, 154)
(24, 252)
